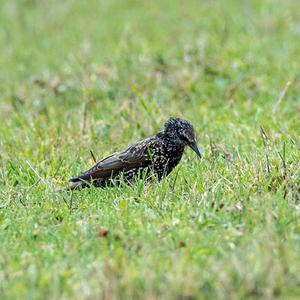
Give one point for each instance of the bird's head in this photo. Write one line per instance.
(182, 132)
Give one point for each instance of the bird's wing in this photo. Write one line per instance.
(137, 155)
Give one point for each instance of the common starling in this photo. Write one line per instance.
(156, 157)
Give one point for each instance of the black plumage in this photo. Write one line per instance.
(156, 157)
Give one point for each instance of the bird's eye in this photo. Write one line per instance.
(184, 138)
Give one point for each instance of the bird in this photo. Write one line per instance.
(153, 157)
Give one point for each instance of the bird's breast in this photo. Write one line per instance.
(166, 157)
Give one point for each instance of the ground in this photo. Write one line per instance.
(95, 75)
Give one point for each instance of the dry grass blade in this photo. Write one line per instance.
(93, 156)
(281, 96)
(266, 140)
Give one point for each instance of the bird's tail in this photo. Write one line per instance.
(74, 184)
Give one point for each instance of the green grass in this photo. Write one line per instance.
(94, 75)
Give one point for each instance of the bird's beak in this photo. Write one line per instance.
(195, 149)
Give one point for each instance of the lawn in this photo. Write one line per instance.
(95, 75)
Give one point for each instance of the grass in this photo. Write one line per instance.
(98, 75)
